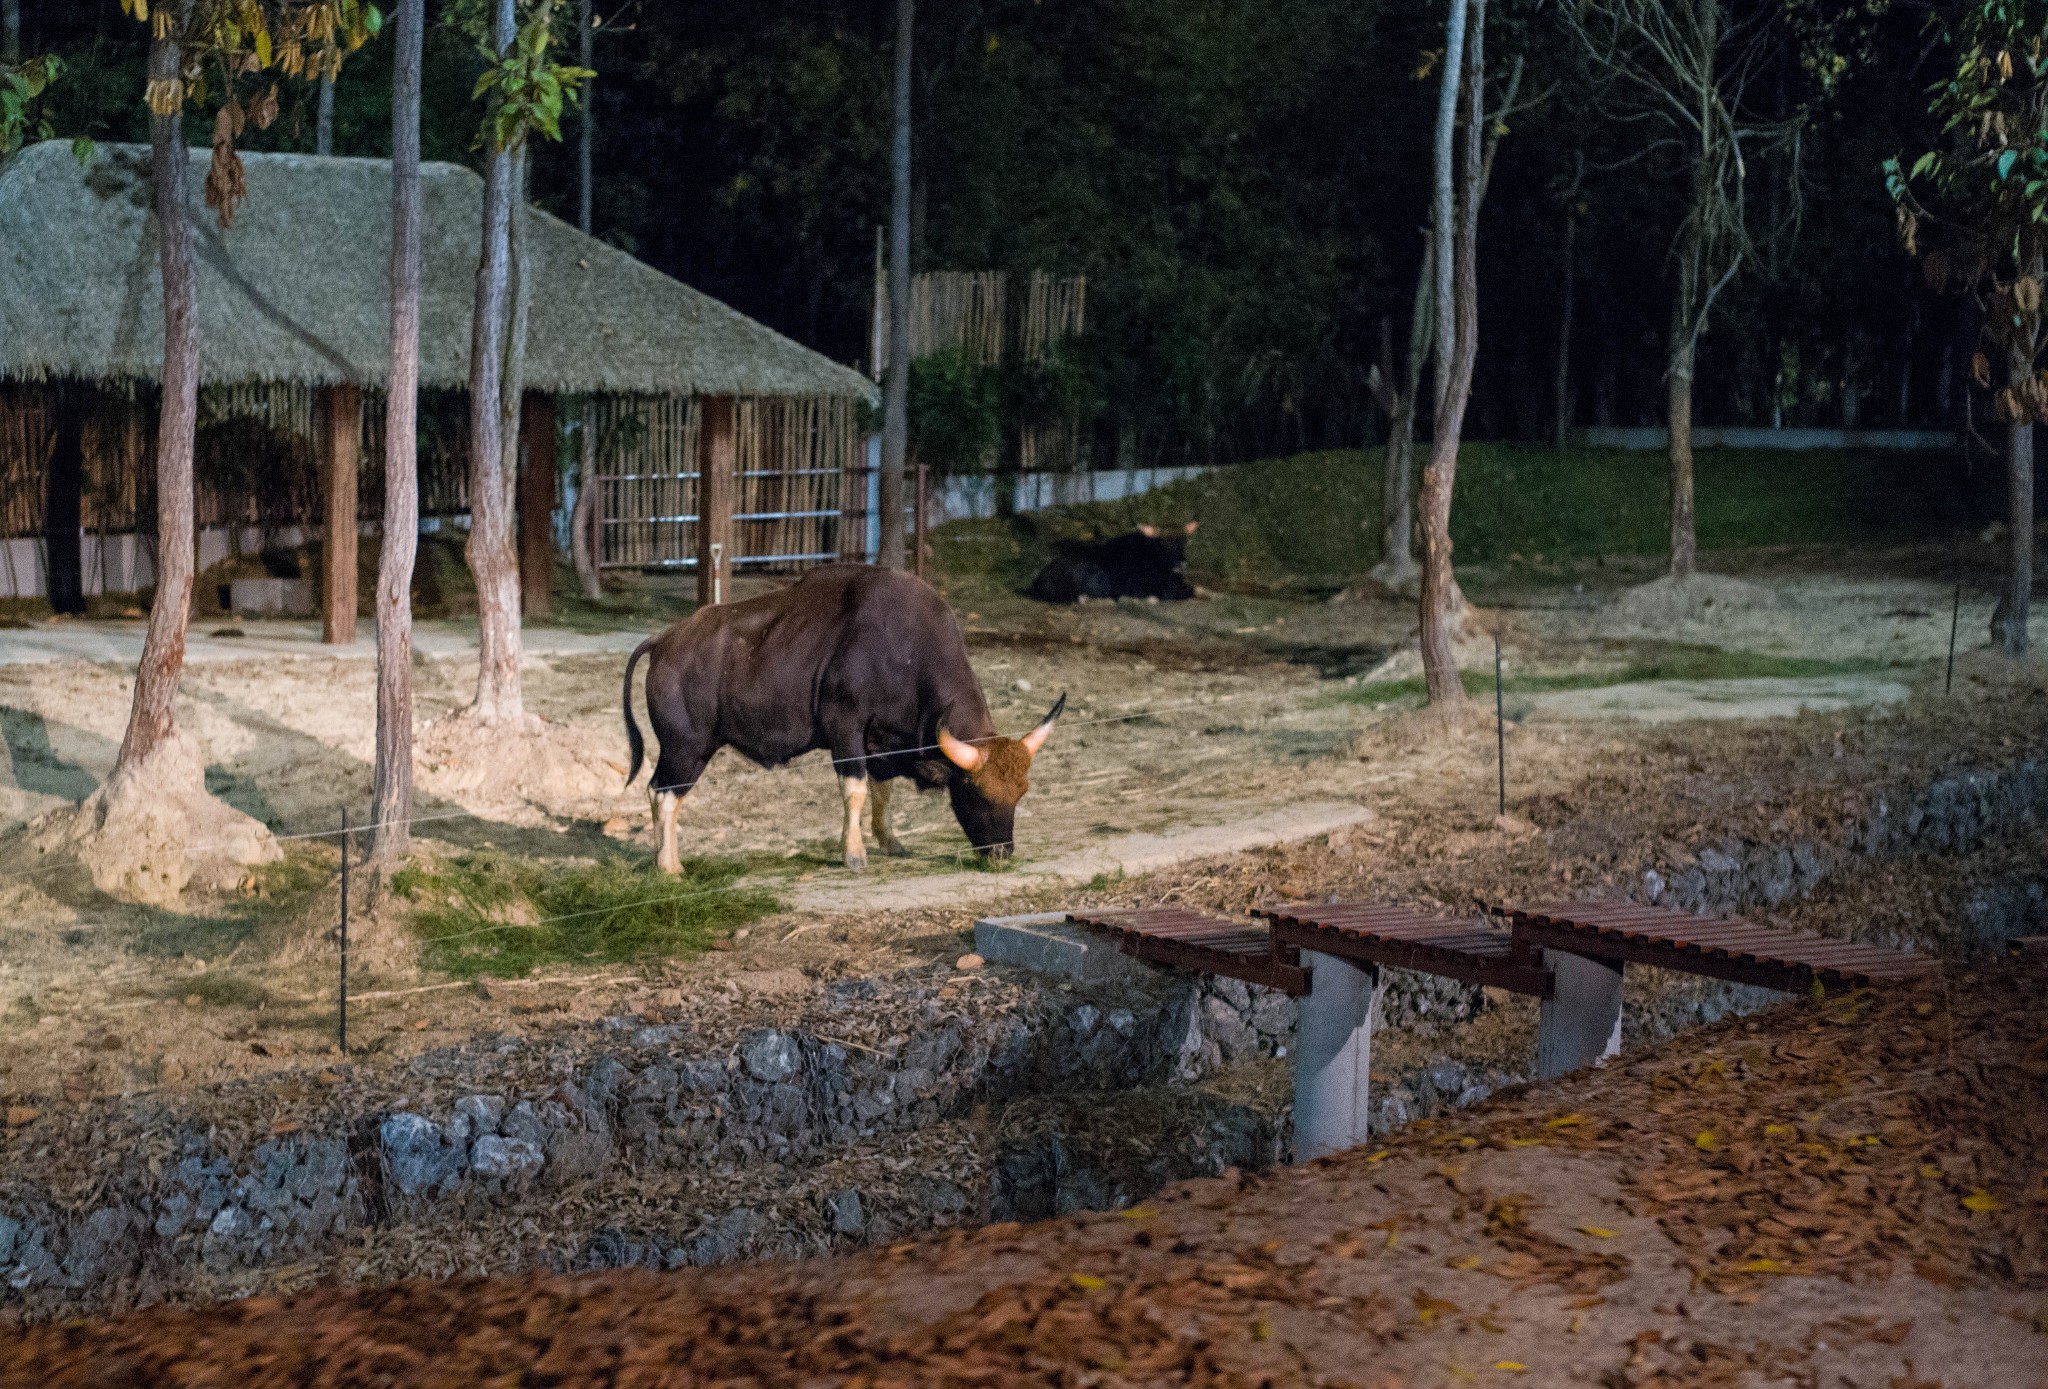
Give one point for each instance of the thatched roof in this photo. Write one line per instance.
(299, 289)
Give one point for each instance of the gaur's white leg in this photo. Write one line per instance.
(855, 789)
(668, 858)
(885, 832)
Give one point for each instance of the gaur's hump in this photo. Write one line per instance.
(873, 583)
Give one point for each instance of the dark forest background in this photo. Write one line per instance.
(1242, 181)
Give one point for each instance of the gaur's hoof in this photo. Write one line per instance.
(858, 865)
(895, 851)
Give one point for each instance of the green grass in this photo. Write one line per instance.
(1669, 662)
(1314, 519)
(488, 913)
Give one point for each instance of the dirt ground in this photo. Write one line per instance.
(1849, 1194)
(1208, 713)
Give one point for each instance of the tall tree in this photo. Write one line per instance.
(583, 538)
(896, 389)
(151, 720)
(1682, 71)
(586, 124)
(527, 90)
(1398, 398)
(1454, 225)
(493, 558)
(1987, 232)
(1574, 209)
(391, 810)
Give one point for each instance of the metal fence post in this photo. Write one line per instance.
(342, 1023)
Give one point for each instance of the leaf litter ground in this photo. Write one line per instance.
(1851, 1192)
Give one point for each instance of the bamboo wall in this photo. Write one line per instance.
(801, 497)
(974, 311)
(800, 463)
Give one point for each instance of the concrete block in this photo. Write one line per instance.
(1047, 943)
(1333, 1055)
(1580, 1023)
(276, 597)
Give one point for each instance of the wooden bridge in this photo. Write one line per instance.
(1568, 955)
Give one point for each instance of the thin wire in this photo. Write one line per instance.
(681, 787)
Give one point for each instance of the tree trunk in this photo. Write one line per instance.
(64, 498)
(151, 719)
(2009, 620)
(537, 507)
(1397, 568)
(1456, 328)
(342, 419)
(896, 387)
(583, 533)
(586, 128)
(1563, 425)
(323, 117)
(10, 32)
(391, 809)
(1684, 537)
(493, 558)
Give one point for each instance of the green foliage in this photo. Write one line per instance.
(488, 913)
(526, 87)
(1989, 183)
(21, 90)
(1314, 518)
(956, 411)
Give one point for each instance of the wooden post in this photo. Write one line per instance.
(537, 505)
(64, 499)
(717, 464)
(341, 425)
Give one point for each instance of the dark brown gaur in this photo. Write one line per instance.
(867, 664)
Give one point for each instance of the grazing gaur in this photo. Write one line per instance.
(865, 663)
(1137, 564)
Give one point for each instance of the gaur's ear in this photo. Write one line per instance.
(1147, 528)
(1191, 526)
(1035, 739)
(966, 756)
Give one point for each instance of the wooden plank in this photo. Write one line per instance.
(341, 428)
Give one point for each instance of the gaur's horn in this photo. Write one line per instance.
(1035, 739)
(965, 756)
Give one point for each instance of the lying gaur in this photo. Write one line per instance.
(1143, 563)
(867, 664)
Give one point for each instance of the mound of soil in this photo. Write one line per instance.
(538, 767)
(1695, 598)
(152, 832)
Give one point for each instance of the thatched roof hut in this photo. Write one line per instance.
(294, 329)
(298, 289)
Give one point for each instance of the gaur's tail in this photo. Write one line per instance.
(633, 739)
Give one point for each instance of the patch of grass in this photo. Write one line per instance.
(221, 989)
(1665, 662)
(1313, 520)
(488, 913)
